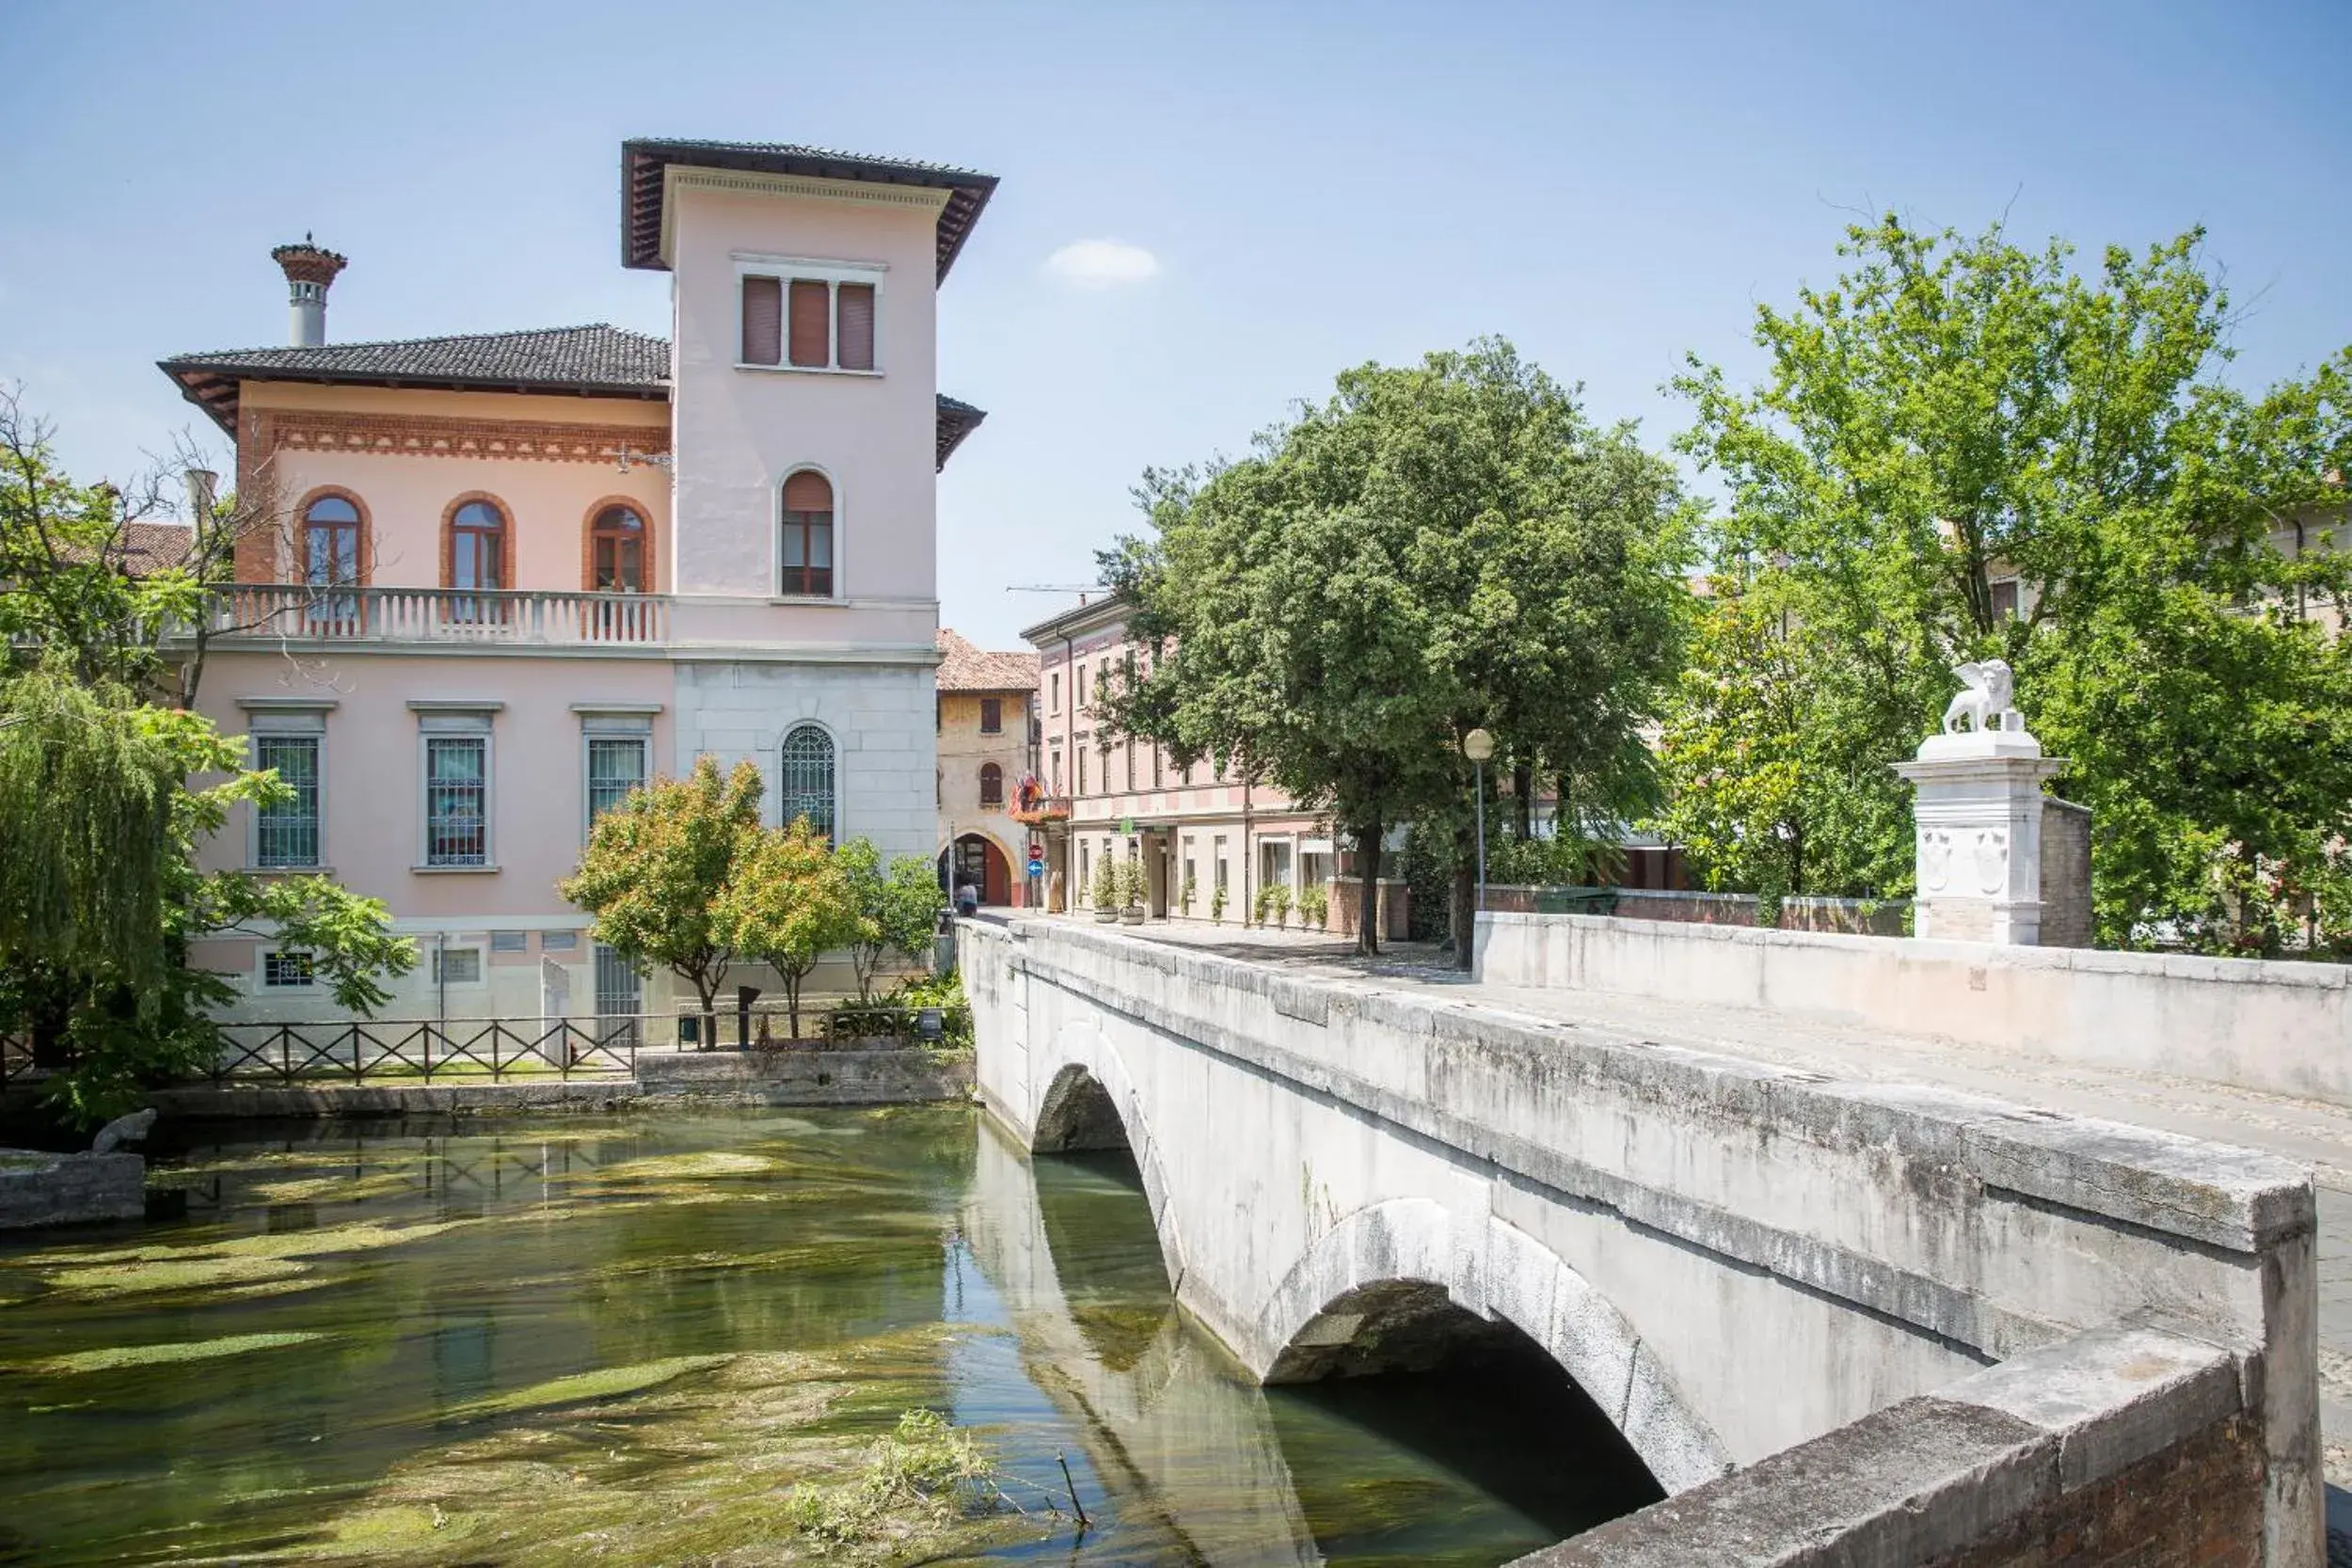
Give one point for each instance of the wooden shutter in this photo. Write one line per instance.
(807, 491)
(811, 310)
(856, 341)
(763, 320)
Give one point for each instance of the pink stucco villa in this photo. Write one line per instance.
(514, 574)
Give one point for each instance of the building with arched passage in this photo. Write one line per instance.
(986, 738)
(489, 583)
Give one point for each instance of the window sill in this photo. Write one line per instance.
(286, 870)
(454, 870)
(823, 599)
(808, 369)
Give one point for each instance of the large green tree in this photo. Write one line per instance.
(1433, 548)
(896, 910)
(1954, 413)
(110, 781)
(657, 866)
(787, 904)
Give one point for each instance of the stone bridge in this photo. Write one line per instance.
(1837, 1321)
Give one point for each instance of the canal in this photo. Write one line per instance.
(699, 1339)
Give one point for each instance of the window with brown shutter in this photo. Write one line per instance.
(854, 344)
(992, 784)
(763, 320)
(812, 308)
(807, 538)
(991, 716)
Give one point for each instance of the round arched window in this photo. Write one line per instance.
(477, 547)
(330, 541)
(617, 551)
(807, 546)
(807, 778)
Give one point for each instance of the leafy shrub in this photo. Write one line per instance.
(1314, 905)
(1104, 894)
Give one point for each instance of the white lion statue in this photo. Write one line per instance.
(1985, 698)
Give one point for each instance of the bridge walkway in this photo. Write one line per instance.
(2313, 1133)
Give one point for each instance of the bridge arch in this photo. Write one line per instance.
(1384, 1281)
(1090, 1103)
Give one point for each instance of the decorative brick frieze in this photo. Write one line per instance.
(423, 436)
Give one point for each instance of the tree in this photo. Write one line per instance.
(897, 906)
(1954, 413)
(657, 866)
(99, 818)
(1433, 549)
(787, 904)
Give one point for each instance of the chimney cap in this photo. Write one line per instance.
(308, 263)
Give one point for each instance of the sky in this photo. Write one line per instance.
(1206, 210)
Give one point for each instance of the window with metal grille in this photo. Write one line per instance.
(286, 969)
(287, 832)
(510, 941)
(616, 766)
(558, 941)
(620, 989)
(458, 800)
(457, 966)
(808, 539)
(807, 778)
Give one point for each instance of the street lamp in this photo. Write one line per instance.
(1478, 746)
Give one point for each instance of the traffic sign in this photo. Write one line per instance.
(1036, 867)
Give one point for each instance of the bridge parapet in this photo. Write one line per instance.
(1732, 1259)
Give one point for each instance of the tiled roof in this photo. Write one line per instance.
(644, 159)
(139, 548)
(598, 360)
(956, 420)
(966, 668)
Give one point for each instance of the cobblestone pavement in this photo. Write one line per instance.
(2309, 1131)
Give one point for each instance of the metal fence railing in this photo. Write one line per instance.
(425, 1050)
(827, 1023)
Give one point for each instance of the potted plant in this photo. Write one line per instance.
(1183, 894)
(1104, 894)
(1217, 905)
(1136, 887)
(1314, 905)
(1281, 904)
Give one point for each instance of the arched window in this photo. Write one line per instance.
(992, 784)
(806, 782)
(617, 551)
(330, 543)
(477, 547)
(808, 552)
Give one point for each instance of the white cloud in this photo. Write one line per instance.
(1102, 263)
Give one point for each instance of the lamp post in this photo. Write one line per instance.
(1478, 746)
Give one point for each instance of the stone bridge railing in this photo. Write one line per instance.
(1739, 1262)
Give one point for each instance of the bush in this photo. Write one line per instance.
(1275, 899)
(1217, 903)
(1104, 894)
(893, 1014)
(1314, 905)
(1185, 893)
(1135, 886)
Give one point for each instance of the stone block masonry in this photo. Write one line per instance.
(39, 1188)
(1737, 1260)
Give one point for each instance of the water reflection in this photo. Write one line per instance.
(358, 1309)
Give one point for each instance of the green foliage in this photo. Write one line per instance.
(891, 1015)
(786, 903)
(1106, 887)
(1186, 894)
(926, 1466)
(1314, 905)
(1274, 904)
(896, 907)
(1135, 883)
(99, 818)
(1217, 903)
(657, 866)
(1433, 548)
(1955, 410)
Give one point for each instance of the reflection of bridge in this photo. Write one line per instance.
(1734, 1260)
(1189, 1450)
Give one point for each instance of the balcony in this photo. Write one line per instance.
(280, 612)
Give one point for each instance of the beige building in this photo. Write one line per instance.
(987, 748)
(1197, 830)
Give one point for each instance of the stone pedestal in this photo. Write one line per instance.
(1978, 844)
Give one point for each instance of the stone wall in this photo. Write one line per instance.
(2065, 874)
(1734, 1259)
(804, 1077)
(2122, 1446)
(38, 1188)
(2271, 1025)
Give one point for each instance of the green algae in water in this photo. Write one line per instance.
(176, 1273)
(120, 1356)
(701, 1167)
(604, 1382)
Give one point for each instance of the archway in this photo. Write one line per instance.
(973, 859)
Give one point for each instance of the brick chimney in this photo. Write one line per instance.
(309, 272)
